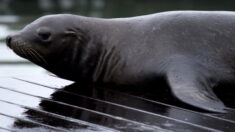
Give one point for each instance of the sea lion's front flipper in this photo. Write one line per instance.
(191, 84)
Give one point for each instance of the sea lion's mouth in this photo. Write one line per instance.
(26, 51)
(19, 47)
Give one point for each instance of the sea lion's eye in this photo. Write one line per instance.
(44, 34)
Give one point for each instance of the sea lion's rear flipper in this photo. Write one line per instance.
(190, 83)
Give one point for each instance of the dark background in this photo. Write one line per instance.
(108, 8)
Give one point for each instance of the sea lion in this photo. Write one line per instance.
(192, 50)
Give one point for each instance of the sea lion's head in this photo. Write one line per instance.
(54, 42)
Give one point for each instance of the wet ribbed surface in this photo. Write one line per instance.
(46, 103)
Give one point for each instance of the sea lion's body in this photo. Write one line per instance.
(147, 45)
(192, 51)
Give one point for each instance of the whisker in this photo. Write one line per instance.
(31, 55)
(23, 49)
(19, 50)
(35, 56)
(41, 57)
(15, 47)
(38, 56)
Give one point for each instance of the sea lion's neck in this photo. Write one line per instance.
(100, 57)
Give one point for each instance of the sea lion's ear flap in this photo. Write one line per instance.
(75, 34)
(70, 33)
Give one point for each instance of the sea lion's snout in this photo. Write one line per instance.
(15, 40)
(11, 41)
(8, 41)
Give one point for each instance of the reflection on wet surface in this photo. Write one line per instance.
(67, 106)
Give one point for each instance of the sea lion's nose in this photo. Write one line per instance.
(8, 41)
